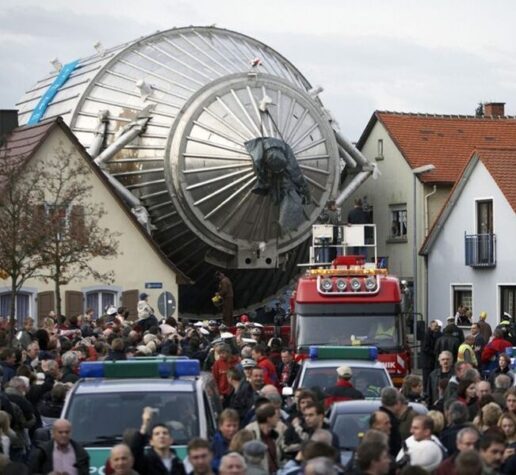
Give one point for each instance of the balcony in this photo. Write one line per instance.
(480, 250)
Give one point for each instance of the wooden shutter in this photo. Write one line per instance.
(46, 303)
(39, 223)
(77, 226)
(74, 303)
(130, 302)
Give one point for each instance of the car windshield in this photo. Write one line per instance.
(378, 330)
(369, 381)
(348, 427)
(101, 419)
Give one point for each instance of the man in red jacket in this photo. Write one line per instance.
(491, 351)
(269, 370)
(343, 390)
(220, 368)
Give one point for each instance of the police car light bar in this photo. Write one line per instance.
(129, 369)
(366, 353)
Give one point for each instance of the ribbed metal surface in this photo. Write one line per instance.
(190, 167)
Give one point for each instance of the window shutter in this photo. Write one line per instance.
(38, 223)
(77, 225)
(74, 303)
(46, 303)
(130, 302)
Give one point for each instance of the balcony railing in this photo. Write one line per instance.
(480, 250)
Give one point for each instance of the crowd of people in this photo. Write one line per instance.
(467, 389)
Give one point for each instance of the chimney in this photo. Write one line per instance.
(8, 122)
(494, 109)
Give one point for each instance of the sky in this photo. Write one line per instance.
(440, 57)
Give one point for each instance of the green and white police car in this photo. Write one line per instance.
(111, 395)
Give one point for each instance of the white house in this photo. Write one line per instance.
(407, 197)
(470, 248)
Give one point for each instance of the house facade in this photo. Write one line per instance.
(140, 265)
(420, 157)
(470, 249)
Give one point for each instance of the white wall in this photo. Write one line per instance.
(394, 186)
(446, 262)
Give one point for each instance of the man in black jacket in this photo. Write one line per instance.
(288, 368)
(242, 397)
(428, 356)
(444, 372)
(448, 342)
(160, 459)
(391, 404)
(61, 454)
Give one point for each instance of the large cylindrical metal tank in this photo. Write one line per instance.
(189, 166)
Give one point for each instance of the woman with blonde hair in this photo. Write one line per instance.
(507, 423)
(5, 432)
(439, 422)
(239, 439)
(488, 417)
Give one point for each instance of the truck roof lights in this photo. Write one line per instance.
(326, 285)
(347, 272)
(341, 284)
(371, 283)
(129, 369)
(355, 284)
(364, 353)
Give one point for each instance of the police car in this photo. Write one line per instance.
(349, 420)
(111, 395)
(320, 370)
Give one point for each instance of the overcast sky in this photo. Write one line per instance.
(410, 56)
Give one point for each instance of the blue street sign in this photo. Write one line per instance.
(153, 285)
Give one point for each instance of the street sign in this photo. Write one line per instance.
(153, 285)
(166, 304)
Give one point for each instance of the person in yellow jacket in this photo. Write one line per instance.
(466, 351)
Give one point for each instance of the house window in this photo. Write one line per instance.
(484, 216)
(462, 297)
(22, 305)
(379, 151)
(398, 221)
(100, 300)
(507, 300)
(59, 217)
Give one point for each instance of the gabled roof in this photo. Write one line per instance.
(445, 141)
(21, 145)
(501, 165)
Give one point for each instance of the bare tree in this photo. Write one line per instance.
(22, 234)
(75, 235)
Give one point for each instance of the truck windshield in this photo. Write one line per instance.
(382, 331)
(101, 419)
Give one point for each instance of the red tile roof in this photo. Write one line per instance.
(20, 145)
(445, 141)
(501, 164)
